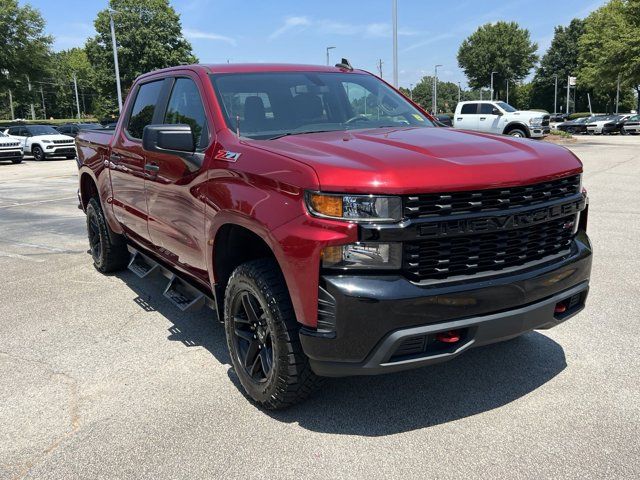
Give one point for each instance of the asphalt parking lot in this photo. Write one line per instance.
(103, 378)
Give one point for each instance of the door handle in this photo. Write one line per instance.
(152, 167)
(483, 118)
(459, 119)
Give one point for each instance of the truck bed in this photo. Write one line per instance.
(93, 146)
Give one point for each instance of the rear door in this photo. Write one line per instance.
(127, 161)
(467, 119)
(176, 211)
(487, 121)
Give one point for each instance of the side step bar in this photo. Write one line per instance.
(179, 292)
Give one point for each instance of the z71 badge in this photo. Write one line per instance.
(228, 156)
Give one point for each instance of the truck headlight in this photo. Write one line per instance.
(535, 121)
(356, 208)
(379, 256)
(46, 141)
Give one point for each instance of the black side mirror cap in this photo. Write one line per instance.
(176, 139)
(495, 111)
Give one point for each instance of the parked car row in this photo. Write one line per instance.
(603, 125)
(501, 118)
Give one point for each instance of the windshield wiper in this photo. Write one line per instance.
(300, 133)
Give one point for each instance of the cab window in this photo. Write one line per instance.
(143, 108)
(469, 109)
(185, 106)
(486, 108)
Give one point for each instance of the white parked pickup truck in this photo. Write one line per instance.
(10, 149)
(43, 141)
(500, 118)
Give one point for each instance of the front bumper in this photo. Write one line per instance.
(61, 150)
(11, 154)
(538, 132)
(387, 323)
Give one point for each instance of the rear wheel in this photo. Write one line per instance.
(516, 132)
(262, 336)
(571, 130)
(108, 249)
(37, 152)
(623, 131)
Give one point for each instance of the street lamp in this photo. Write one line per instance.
(115, 58)
(492, 73)
(435, 90)
(459, 90)
(5, 72)
(329, 48)
(394, 22)
(411, 91)
(555, 94)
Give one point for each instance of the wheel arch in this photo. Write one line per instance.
(517, 125)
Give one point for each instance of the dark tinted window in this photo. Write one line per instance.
(14, 131)
(185, 106)
(486, 108)
(143, 107)
(469, 108)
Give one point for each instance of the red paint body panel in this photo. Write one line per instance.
(178, 213)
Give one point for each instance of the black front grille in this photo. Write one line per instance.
(467, 255)
(446, 204)
(60, 142)
(10, 145)
(545, 121)
(7, 154)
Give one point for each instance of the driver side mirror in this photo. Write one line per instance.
(495, 111)
(176, 139)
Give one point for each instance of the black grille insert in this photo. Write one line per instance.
(454, 203)
(467, 255)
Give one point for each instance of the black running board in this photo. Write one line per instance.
(178, 291)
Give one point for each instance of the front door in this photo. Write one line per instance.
(176, 212)
(488, 121)
(128, 160)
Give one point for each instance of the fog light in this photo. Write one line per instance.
(387, 256)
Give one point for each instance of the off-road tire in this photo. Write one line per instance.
(291, 379)
(110, 254)
(38, 153)
(70, 157)
(15, 161)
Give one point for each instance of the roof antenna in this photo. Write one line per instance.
(344, 64)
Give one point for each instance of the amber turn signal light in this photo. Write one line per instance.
(329, 205)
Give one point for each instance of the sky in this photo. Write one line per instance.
(297, 31)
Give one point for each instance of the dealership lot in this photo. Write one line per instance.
(101, 377)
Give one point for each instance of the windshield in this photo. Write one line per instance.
(270, 105)
(36, 130)
(506, 107)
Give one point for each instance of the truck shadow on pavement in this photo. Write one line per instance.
(478, 381)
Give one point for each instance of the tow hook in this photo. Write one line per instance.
(452, 336)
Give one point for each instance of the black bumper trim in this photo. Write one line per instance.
(482, 330)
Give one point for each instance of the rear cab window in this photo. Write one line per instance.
(143, 108)
(469, 109)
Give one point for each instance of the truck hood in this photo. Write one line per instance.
(52, 137)
(422, 160)
(526, 114)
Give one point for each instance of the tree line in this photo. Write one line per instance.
(601, 50)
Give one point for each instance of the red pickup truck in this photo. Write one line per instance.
(332, 225)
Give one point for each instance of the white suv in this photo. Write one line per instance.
(10, 149)
(500, 117)
(43, 141)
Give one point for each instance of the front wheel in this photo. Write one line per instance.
(15, 161)
(262, 336)
(623, 131)
(108, 250)
(38, 153)
(517, 133)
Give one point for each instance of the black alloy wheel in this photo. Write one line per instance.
(37, 152)
(252, 336)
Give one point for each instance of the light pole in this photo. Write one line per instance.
(115, 58)
(329, 48)
(507, 81)
(411, 91)
(459, 91)
(555, 94)
(435, 90)
(5, 72)
(618, 94)
(492, 73)
(394, 15)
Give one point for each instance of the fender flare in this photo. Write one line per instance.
(520, 125)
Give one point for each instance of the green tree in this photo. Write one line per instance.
(447, 94)
(561, 59)
(149, 35)
(610, 48)
(501, 47)
(60, 95)
(24, 51)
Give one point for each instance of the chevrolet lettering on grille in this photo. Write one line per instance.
(500, 223)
